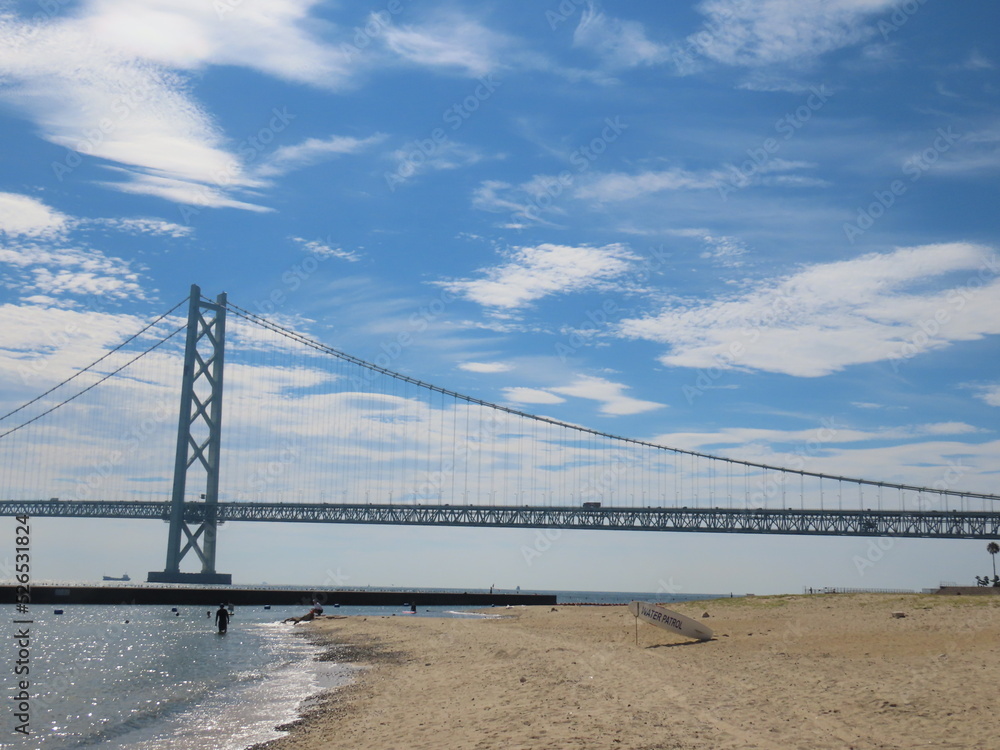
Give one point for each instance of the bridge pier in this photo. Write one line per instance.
(199, 439)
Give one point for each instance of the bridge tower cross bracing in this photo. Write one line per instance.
(199, 439)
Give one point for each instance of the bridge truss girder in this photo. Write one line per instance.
(867, 523)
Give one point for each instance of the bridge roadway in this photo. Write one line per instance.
(914, 524)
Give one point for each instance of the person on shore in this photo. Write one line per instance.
(309, 616)
(222, 618)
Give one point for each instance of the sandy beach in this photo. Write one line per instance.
(821, 671)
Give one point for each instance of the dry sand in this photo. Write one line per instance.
(810, 672)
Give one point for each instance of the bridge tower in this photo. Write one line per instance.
(199, 438)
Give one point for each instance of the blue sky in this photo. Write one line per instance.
(723, 226)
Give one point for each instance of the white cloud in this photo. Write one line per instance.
(413, 158)
(312, 151)
(611, 395)
(58, 270)
(485, 367)
(617, 186)
(42, 264)
(88, 97)
(521, 201)
(23, 215)
(531, 396)
(85, 283)
(833, 434)
(107, 83)
(990, 394)
(42, 344)
(826, 317)
(154, 227)
(622, 44)
(923, 454)
(275, 37)
(186, 191)
(724, 251)
(324, 250)
(450, 42)
(532, 273)
(768, 32)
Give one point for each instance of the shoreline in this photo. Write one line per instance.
(823, 671)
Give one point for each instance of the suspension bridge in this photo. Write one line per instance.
(315, 435)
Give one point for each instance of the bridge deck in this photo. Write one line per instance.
(914, 524)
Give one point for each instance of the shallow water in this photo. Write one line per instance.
(147, 677)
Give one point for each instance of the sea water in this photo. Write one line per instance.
(148, 677)
(162, 678)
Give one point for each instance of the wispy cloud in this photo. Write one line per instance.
(826, 317)
(412, 160)
(145, 225)
(325, 250)
(611, 396)
(109, 83)
(453, 41)
(617, 186)
(989, 393)
(313, 151)
(621, 44)
(770, 32)
(531, 396)
(485, 367)
(532, 273)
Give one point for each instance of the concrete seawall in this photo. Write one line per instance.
(969, 590)
(206, 596)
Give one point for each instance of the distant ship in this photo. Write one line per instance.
(112, 578)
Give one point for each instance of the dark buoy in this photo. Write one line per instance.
(57, 611)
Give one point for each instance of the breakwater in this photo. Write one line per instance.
(243, 597)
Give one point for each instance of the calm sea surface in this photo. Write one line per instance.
(147, 678)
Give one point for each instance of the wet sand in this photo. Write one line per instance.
(821, 671)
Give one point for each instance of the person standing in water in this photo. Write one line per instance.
(222, 618)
